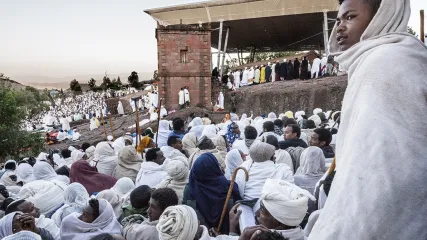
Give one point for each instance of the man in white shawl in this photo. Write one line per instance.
(237, 79)
(283, 208)
(378, 93)
(65, 124)
(75, 199)
(164, 131)
(78, 226)
(181, 100)
(260, 168)
(187, 96)
(105, 158)
(152, 171)
(120, 109)
(221, 100)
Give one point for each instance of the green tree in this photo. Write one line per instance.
(75, 86)
(92, 84)
(33, 101)
(15, 141)
(133, 79)
(412, 31)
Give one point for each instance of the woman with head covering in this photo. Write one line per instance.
(272, 116)
(177, 179)
(24, 172)
(189, 142)
(44, 171)
(90, 178)
(145, 143)
(207, 190)
(114, 199)
(233, 160)
(210, 131)
(197, 127)
(75, 199)
(316, 119)
(221, 145)
(233, 134)
(289, 114)
(283, 157)
(90, 154)
(105, 158)
(47, 196)
(206, 145)
(123, 186)
(97, 217)
(129, 164)
(8, 175)
(163, 133)
(312, 168)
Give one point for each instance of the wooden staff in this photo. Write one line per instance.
(137, 123)
(103, 124)
(230, 190)
(111, 125)
(332, 167)
(158, 120)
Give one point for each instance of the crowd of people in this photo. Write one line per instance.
(176, 188)
(279, 71)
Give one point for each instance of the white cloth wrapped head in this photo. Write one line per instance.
(286, 202)
(272, 116)
(23, 235)
(178, 223)
(210, 131)
(90, 153)
(123, 186)
(261, 151)
(114, 199)
(317, 110)
(24, 171)
(233, 160)
(6, 225)
(316, 119)
(312, 162)
(177, 169)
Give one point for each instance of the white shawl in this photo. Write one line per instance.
(233, 160)
(75, 199)
(44, 171)
(106, 158)
(163, 133)
(75, 229)
(49, 225)
(378, 94)
(150, 174)
(24, 171)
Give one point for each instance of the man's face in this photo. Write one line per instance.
(353, 18)
(265, 218)
(314, 141)
(154, 211)
(29, 208)
(288, 133)
(178, 145)
(160, 158)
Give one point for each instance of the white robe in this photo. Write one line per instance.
(120, 109)
(245, 77)
(181, 97)
(132, 105)
(372, 184)
(150, 174)
(106, 157)
(93, 125)
(154, 99)
(186, 95)
(65, 124)
(273, 73)
(315, 68)
(258, 173)
(49, 225)
(237, 79)
(221, 100)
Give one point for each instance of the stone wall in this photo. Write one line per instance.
(326, 93)
(194, 72)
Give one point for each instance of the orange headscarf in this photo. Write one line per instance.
(143, 144)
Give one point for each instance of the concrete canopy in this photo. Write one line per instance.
(267, 25)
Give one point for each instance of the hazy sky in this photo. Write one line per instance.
(62, 38)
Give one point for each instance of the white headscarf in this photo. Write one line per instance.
(114, 199)
(210, 131)
(75, 199)
(272, 116)
(286, 202)
(232, 161)
(316, 119)
(312, 162)
(178, 223)
(197, 127)
(261, 151)
(283, 157)
(189, 142)
(106, 157)
(24, 171)
(123, 186)
(163, 133)
(317, 110)
(72, 228)
(6, 225)
(44, 171)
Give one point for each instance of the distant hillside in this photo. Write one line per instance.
(6, 82)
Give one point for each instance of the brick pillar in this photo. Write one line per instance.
(184, 58)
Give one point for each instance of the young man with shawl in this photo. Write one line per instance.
(16, 223)
(365, 32)
(152, 171)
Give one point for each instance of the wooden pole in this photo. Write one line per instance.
(230, 190)
(158, 120)
(137, 124)
(219, 44)
(111, 125)
(103, 124)
(225, 51)
(422, 26)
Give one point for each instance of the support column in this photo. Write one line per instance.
(422, 26)
(219, 43)
(325, 32)
(224, 52)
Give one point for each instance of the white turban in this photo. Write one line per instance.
(286, 202)
(316, 119)
(23, 235)
(6, 225)
(272, 116)
(25, 173)
(317, 110)
(178, 223)
(177, 170)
